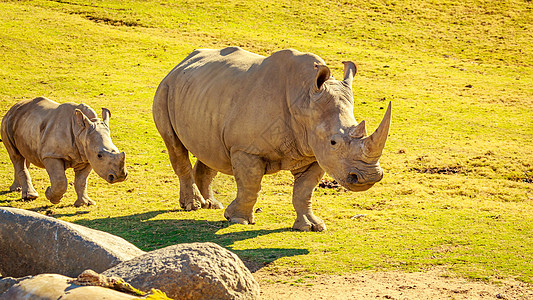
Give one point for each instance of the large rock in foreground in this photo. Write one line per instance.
(190, 271)
(31, 244)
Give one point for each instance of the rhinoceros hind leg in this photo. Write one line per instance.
(305, 181)
(248, 171)
(203, 176)
(190, 196)
(22, 181)
(58, 181)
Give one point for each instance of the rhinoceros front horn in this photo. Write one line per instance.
(374, 144)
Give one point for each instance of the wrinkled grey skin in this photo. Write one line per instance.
(57, 137)
(247, 115)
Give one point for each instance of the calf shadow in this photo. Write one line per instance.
(148, 234)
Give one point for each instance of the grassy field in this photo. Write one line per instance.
(458, 189)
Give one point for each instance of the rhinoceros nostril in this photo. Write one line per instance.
(111, 178)
(353, 178)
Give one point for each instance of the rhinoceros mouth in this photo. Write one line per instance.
(356, 187)
(353, 183)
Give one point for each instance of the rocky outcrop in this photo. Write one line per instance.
(190, 271)
(31, 244)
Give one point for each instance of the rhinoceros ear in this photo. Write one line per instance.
(81, 120)
(106, 114)
(323, 73)
(359, 131)
(349, 71)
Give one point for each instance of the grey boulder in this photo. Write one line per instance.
(31, 244)
(190, 271)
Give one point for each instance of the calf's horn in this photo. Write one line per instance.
(349, 71)
(374, 144)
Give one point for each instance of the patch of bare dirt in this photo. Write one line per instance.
(385, 285)
(441, 170)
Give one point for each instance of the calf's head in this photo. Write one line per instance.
(341, 145)
(94, 137)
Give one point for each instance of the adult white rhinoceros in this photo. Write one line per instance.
(248, 115)
(57, 137)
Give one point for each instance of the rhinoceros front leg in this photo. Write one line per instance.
(203, 176)
(58, 181)
(305, 181)
(248, 171)
(80, 185)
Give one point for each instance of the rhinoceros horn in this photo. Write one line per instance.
(374, 144)
(349, 71)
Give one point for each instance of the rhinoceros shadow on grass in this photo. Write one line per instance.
(149, 234)
(247, 115)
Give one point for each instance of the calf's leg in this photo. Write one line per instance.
(203, 176)
(58, 181)
(80, 185)
(305, 181)
(248, 171)
(22, 179)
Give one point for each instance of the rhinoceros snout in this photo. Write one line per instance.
(353, 178)
(113, 178)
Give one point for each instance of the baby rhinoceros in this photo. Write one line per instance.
(57, 137)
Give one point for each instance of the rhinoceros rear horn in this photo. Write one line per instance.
(374, 144)
(349, 71)
(106, 114)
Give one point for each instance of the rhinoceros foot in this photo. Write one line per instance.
(30, 195)
(55, 199)
(239, 216)
(191, 201)
(15, 187)
(86, 201)
(212, 203)
(309, 223)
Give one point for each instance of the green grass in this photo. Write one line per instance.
(459, 160)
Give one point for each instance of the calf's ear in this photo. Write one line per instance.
(81, 120)
(106, 114)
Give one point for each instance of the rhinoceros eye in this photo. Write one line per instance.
(333, 142)
(100, 155)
